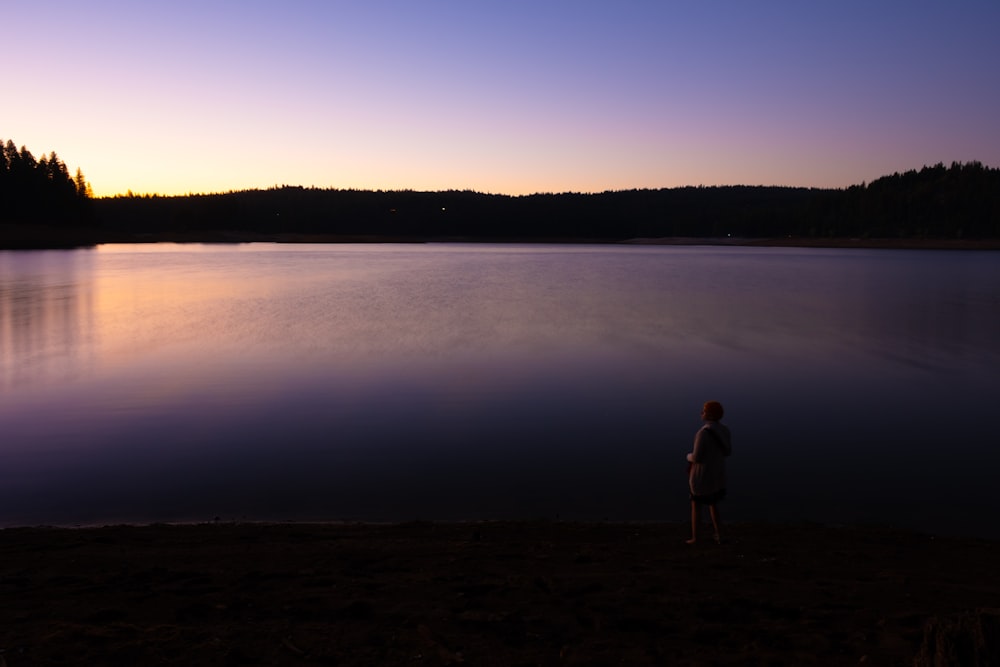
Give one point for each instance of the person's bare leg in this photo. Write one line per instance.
(694, 523)
(716, 522)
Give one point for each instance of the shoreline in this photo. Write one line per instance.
(19, 237)
(485, 592)
(866, 244)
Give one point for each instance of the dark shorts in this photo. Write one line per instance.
(709, 499)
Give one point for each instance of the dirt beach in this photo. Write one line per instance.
(492, 593)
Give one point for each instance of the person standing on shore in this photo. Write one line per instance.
(707, 469)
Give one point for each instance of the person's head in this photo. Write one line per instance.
(712, 411)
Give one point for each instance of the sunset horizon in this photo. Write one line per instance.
(520, 99)
(533, 193)
(97, 193)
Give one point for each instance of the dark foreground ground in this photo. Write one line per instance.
(510, 593)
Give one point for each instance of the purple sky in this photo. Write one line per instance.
(508, 97)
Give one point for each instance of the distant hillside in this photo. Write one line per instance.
(957, 202)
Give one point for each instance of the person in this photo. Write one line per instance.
(707, 469)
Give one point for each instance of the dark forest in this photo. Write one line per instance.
(960, 201)
(41, 190)
(956, 202)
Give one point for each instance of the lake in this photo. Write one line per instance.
(143, 383)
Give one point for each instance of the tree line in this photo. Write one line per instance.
(41, 190)
(961, 201)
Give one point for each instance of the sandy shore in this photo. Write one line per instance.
(507, 593)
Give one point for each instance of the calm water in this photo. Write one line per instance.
(274, 382)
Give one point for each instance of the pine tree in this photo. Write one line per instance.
(41, 190)
(83, 189)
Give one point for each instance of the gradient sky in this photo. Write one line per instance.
(508, 97)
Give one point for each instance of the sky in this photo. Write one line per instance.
(512, 97)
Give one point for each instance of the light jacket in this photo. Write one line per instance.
(708, 460)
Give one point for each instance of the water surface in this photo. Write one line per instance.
(393, 382)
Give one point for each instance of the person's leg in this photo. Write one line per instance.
(694, 523)
(713, 510)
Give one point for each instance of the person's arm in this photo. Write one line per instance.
(695, 456)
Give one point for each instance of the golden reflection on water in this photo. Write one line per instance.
(126, 308)
(65, 315)
(47, 317)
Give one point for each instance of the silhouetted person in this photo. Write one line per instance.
(707, 472)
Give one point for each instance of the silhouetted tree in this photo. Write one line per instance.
(42, 190)
(83, 189)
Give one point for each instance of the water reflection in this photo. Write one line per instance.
(390, 382)
(46, 317)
